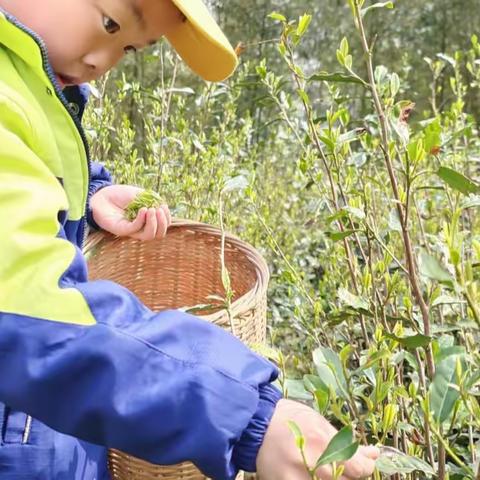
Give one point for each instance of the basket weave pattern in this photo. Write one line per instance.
(183, 270)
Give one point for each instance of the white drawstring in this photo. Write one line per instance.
(28, 427)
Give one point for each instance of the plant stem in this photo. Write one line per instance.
(316, 141)
(224, 271)
(441, 460)
(466, 293)
(452, 454)
(165, 111)
(426, 424)
(412, 270)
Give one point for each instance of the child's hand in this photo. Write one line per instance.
(108, 212)
(279, 458)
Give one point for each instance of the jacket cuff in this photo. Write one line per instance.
(99, 178)
(94, 188)
(246, 450)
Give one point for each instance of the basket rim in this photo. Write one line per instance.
(243, 303)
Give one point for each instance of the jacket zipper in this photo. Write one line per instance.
(58, 92)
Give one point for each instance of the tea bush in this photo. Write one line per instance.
(365, 208)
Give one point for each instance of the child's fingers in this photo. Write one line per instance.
(325, 472)
(167, 214)
(162, 222)
(150, 223)
(137, 224)
(362, 464)
(151, 226)
(371, 452)
(149, 229)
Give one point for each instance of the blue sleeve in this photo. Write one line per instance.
(99, 177)
(164, 387)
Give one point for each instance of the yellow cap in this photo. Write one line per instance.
(201, 43)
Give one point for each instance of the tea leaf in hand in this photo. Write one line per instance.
(341, 447)
(147, 199)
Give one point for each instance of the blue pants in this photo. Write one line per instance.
(45, 454)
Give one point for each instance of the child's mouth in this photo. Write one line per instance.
(65, 80)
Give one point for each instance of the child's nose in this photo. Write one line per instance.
(100, 61)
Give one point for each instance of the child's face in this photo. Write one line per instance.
(86, 38)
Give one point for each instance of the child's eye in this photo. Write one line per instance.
(110, 25)
(130, 49)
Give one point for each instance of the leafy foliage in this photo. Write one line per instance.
(352, 163)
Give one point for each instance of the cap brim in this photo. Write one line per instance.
(201, 43)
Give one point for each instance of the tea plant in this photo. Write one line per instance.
(402, 299)
(365, 208)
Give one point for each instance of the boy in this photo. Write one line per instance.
(87, 358)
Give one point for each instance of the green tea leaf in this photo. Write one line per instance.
(145, 198)
(336, 236)
(355, 212)
(394, 84)
(352, 300)
(394, 221)
(445, 352)
(442, 395)
(265, 351)
(327, 141)
(322, 399)
(364, 11)
(457, 181)
(430, 267)
(277, 16)
(296, 389)
(329, 369)
(351, 135)
(299, 438)
(446, 300)
(334, 77)
(313, 383)
(433, 133)
(381, 73)
(198, 309)
(414, 341)
(303, 95)
(341, 447)
(447, 59)
(303, 24)
(344, 48)
(400, 463)
(373, 360)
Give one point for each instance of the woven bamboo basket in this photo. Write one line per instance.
(183, 270)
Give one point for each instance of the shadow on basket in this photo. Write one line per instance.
(183, 271)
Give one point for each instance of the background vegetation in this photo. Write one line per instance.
(346, 149)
